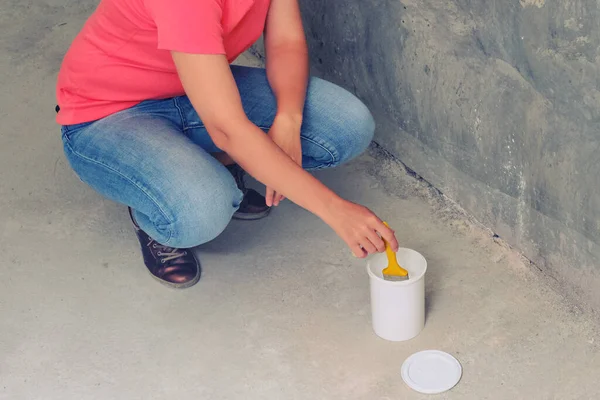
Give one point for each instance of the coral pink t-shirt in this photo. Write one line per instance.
(122, 55)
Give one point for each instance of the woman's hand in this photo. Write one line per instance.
(285, 132)
(359, 228)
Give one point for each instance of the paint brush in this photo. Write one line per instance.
(393, 272)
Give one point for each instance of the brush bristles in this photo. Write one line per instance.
(395, 278)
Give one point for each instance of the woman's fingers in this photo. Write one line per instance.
(389, 235)
(360, 228)
(273, 198)
(277, 198)
(368, 246)
(269, 196)
(376, 240)
(372, 240)
(358, 251)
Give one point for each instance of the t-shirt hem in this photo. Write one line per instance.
(68, 116)
(193, 50)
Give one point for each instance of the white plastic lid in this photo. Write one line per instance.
(431, 371)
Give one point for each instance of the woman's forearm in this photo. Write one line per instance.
(287, 56)
(287, 72)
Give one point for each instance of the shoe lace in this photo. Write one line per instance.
(165, 252)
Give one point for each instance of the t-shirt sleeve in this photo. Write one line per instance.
(188, 26)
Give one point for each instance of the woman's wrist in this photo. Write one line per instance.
(326, 204)
(292, 119)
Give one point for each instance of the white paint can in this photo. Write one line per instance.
(398, 308)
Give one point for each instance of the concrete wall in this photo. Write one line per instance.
(496, 103)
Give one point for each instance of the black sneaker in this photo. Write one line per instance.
(254, 206)
(176, 268)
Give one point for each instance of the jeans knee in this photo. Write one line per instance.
(357, 129)
(342, 123)
(202, 220)
(363, 125)
(188, 231)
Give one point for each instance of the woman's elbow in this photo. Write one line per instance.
(225, 133)
(219, 138)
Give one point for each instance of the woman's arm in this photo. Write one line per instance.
(287, 58)
(287, 72)
(209, 84)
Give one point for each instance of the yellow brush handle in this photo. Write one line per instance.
(393, 267)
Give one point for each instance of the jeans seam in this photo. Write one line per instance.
(333, 157)
(320, 167)
(189, 128)
(184, 123)
(141, 189)
(181, 115)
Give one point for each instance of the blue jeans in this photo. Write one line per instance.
(156, 156)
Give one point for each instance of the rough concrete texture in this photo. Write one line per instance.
(282, 310)
(495, 103)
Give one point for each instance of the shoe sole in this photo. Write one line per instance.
(184, 285)
(251, 216)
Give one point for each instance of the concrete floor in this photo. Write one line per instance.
(282, 310)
